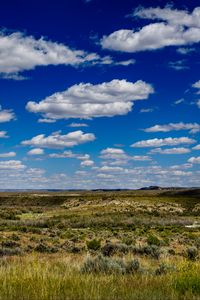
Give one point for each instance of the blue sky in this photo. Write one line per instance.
(99, 94)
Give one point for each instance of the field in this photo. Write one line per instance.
(100, 245)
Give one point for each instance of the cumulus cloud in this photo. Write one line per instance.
(163, 142)
(45, 120)
(180, 150)
(192, 127)
(86, 100)
(7, 154)
(175, 28)
(194, 160)
(70, 154)
(196, 84)
(87, 163)
(3, 134)
(113, 153)
(56, 140)
(11, 165)
(36, 151)
(6, 115)
(197, 147)
(110, 169)
(20, 52)
(125, 62)
(74, 125)
(116, 156)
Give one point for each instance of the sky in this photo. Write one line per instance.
(99, 94)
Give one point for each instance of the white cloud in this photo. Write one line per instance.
(56, 140)
(178, 65)
(113, 153)
(86, 100)
(70, 154)
(140, 158)
(194, 160)
(11, 165)
(192, 127)
(198, 103)
(197, 147)
(179, 101)
(87, 163)
(36, 151)
(6, 115)
(146, 110)
(7, 154)
(74, 125)
(3, 134)
(125, 62)
(163, 142)
(180, 150)
(178, 27)
(196, 85)
(105, 176)
(110, 169)
(119, 157)
(45, 120)
(185, 51)
(170, 15)
(19, 52)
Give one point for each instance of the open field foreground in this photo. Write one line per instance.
(100, 245)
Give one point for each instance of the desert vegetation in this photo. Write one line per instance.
(100, 245)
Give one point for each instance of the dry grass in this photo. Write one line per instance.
(57, 278)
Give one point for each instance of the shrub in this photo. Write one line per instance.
(43, 248)
(10, 251)
(162, 269)
(171, 251)
(132, 266)
(10, 244)
(15, 237)
(153, 240)
(102, 264)
(192, 253)
(128, 241)
(153, 251)
(93, 245)
(110, 248)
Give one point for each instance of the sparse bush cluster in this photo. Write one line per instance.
(110, 249)
(107, 265)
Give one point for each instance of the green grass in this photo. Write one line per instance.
(60, 278)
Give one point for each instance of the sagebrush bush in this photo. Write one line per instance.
(152, 251)
(162, 269)
(102, 264)
(192, 253)
(10, 251)
(10, 244)
(44, 248)
(110, 248)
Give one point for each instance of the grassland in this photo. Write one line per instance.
(100, 245)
